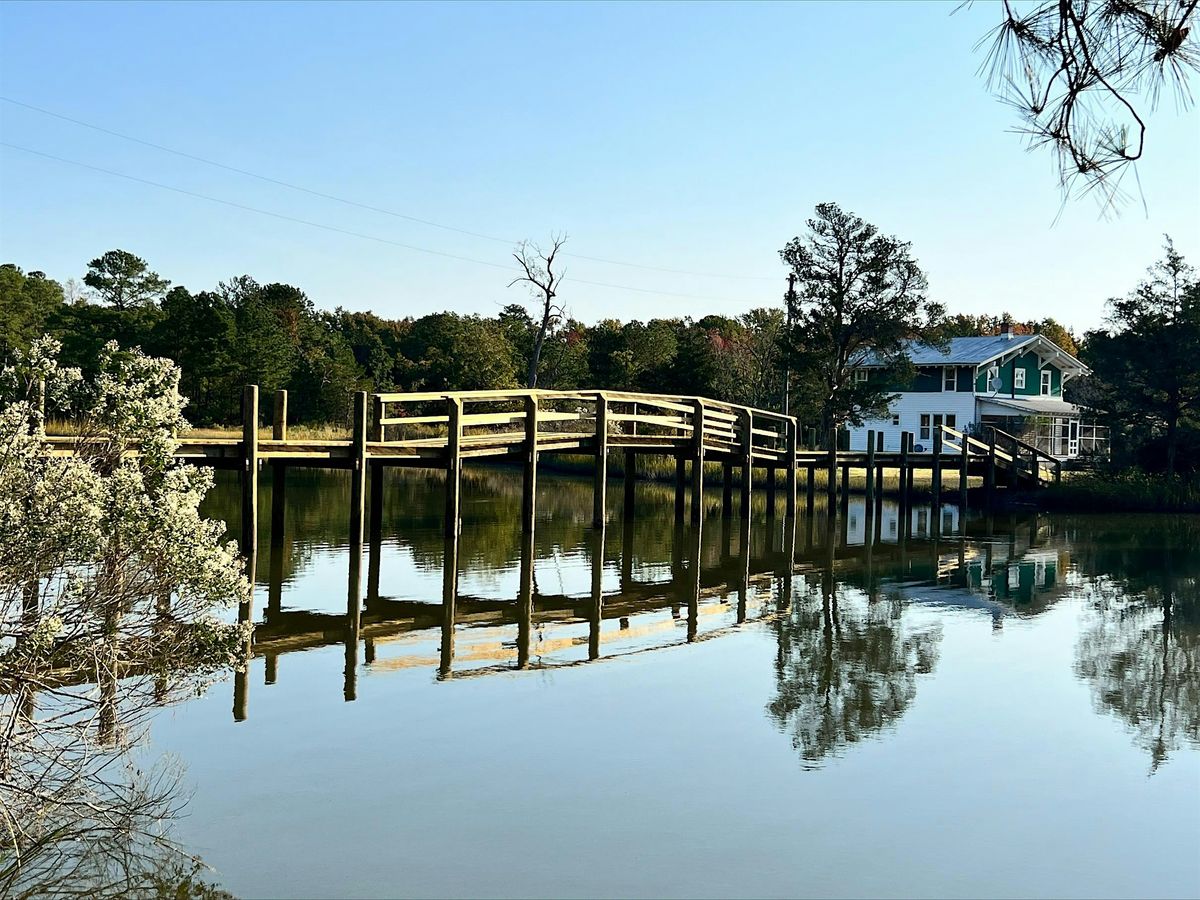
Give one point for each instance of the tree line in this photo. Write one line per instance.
(851, 289)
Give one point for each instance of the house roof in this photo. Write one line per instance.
(975, 351)
(1030, 406)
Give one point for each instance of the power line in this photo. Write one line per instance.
(337, 230)
(378, 209)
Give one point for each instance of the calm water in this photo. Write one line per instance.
(1010, 709)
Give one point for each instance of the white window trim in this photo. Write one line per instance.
(1047, 385)
(860, 375)
(1019, 379)
(949, 375)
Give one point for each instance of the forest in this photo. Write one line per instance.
(850, 289)
(243, 332)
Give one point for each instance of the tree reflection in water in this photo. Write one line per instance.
(1139, 644)
(847, 666)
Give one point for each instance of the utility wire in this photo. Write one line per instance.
(338, 230)
(378, 209)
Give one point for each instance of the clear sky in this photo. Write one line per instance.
(680, 136)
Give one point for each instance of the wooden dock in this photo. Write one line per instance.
(444, 429)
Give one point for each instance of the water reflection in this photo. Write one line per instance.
(837, 593)
(1139, 647)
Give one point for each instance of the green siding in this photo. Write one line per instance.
(928, 380)
(1033, 378)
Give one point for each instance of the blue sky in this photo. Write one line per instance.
(679, 136)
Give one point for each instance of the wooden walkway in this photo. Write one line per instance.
(442, 430)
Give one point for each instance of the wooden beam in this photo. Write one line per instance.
(936, 464)
(630, 484)
(358, 472)
(698, 425)
(280, 416)
(746, 418)
(870, 487)
(600, 491)
(792, 434)
(680, 477)
(454, 407)
(249, 469)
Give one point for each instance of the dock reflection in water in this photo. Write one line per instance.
(651, 583)
(947, 691)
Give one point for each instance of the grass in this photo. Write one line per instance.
(1131, 491)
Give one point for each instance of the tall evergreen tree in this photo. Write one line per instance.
(857, 291)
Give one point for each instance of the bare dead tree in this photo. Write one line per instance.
(537, 270)
(1083, 75)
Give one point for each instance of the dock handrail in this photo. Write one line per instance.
(1036, 456)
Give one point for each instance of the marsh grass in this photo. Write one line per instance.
(1132, 491)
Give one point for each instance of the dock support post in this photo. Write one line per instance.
(626, 554)
(790, 443)
(747, 453)
(810, 491)
(250, 469)
(358, 496)
(358, 472)
(905, 436)
(279, 416)
(375, 524)
(936, 471)
(529, 484)
(528, 518)
(525, 594)
(630, 484)
(454, 410)
(727, 488)
(680, 477)
(879, 470)
(697, 547)
(831, 470)
(375, 532)
(771, 501)
(599, 494)
(697, 461)
(989, 477)
(870, 487)
(449, 601)
(596, 613)
(378, 430)
(964, 468)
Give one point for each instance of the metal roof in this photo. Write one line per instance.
(1038, 406)
(961, 351)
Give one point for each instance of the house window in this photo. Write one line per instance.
(860, 376)
(993, 379)
(1019, 379)
(895, 418)
(932, 421)
(949, 378)
(1046, 381)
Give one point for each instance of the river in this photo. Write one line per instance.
(996, 707)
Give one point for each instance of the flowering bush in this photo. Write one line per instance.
(111, 584)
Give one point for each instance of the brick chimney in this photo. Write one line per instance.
(1006, 330)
